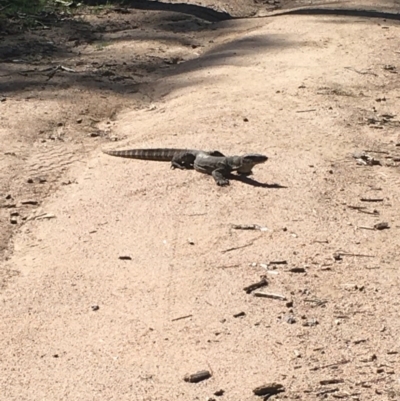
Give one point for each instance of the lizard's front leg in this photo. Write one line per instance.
(219, 176)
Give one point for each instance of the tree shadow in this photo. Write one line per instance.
(26, 65)
(26, 58)
(347, 12)
(231, 53)
(198, 11)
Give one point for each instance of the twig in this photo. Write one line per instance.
(361, 209)
(41, 216)
(330, 381)
(297, 270)
(238, 247)
(269, 295)
(181, 318)
(361, 72)
(374, 212)
(305, 111)
(354, 254)
(61, 67)
(249, 227)
(318, 302)
(327, 391)
(331, 365)
(51, 71)
(378, 226)
(377, 151)
(228, 266)
(371, 199)
(242, 246)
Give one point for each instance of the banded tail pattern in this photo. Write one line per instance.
(157, 154)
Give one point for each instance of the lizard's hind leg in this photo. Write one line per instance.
(183, 161)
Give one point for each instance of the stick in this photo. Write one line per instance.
(305, 111)
(371, 199)
(248, 227)
(361, 72)
(377, 151)
(238, 247)
(269, 295)
(181, 318)
(355, 254)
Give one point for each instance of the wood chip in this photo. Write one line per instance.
(330, 381)
(250, 288)
(240, 314)
(381, 226)
(269, 389)
(29, 202)
(297, 270)
(197, 377)
(278, 262)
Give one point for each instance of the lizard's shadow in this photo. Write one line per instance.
(249, 181)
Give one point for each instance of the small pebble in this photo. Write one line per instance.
(290, 319)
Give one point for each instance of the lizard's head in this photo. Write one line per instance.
(254, 158)
(249, 161)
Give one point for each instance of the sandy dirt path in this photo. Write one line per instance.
(78, 323)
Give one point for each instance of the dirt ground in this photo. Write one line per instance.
(119, 277)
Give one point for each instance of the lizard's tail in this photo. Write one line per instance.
(163, 155)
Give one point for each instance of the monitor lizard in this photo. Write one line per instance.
(208, 162)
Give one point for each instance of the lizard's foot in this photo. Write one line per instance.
(219, 176)
(222, 182)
